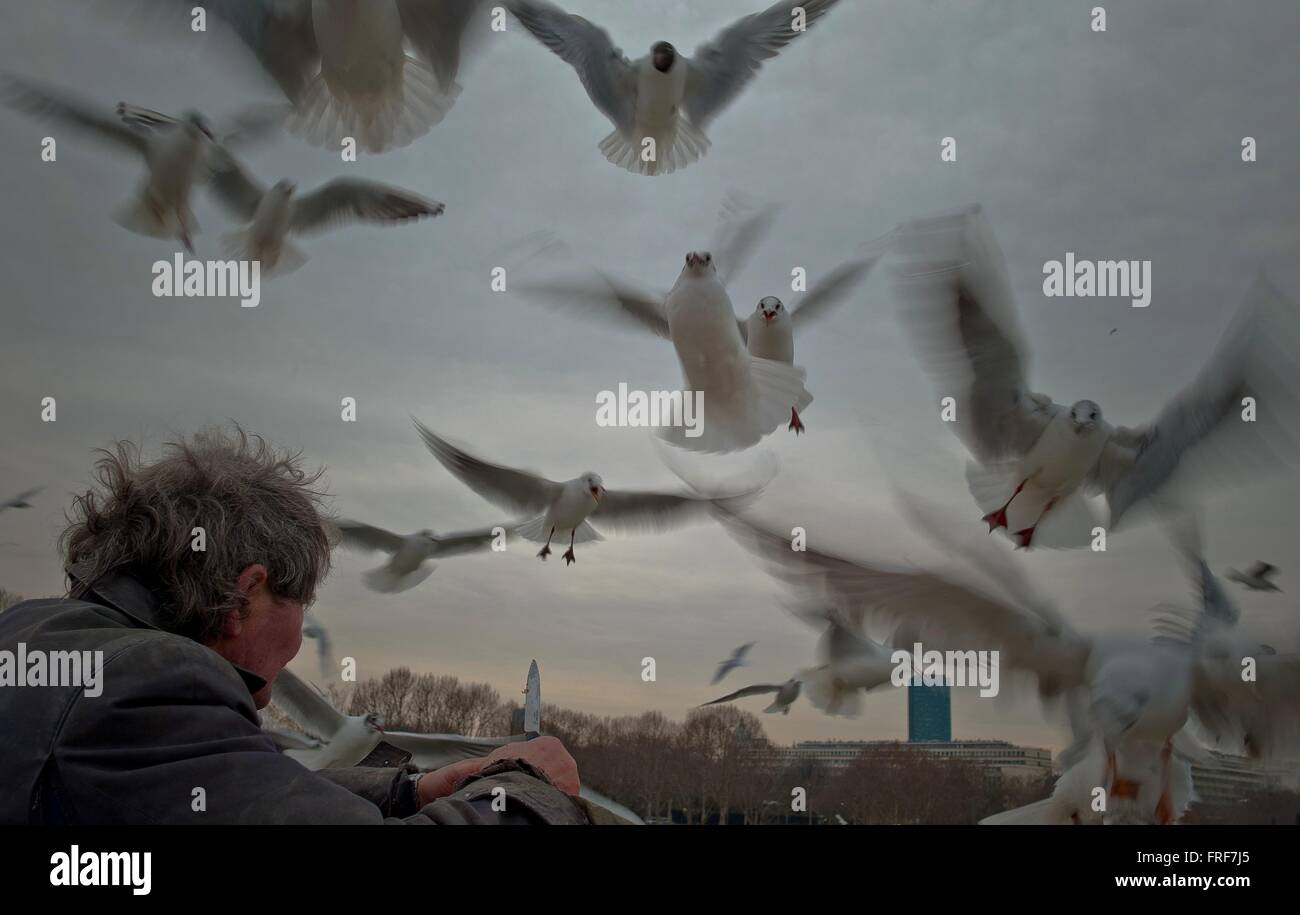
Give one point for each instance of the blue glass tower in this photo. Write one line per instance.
(929, 713)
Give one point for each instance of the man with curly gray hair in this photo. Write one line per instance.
(188, 580)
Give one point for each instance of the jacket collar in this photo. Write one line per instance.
(129, 595)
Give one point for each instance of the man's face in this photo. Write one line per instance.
(265, 636)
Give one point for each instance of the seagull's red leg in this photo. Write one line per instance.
(1025, 537)
(546, 550)
(795, 422)
(998, 517)
(1165, 806)
(568, 557)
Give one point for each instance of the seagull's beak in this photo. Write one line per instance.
(597, 492)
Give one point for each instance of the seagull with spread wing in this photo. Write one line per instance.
(409, 552)
(176, 151)
(569, 506)
(737, 659)
(337, 740)
(276, 213)
(661, 104)
(343, 64)
(1134, 695)
(1258, 577)
(1036, 459)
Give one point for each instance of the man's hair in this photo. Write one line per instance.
(255, 505)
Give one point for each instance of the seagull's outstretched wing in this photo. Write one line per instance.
(608, 298)
(433, 751)
(1261, 569)
(758, 690)
(921, 606)
(346, 200)
(830, 291)
(305, 705)
(1203, 437)
(515, 491)
(1261, 717)
(961, 317)
(22, 499)
(66, 108)
(606, 74)
(629, 512)
(742, 226)
(721, 68)
(360, 536)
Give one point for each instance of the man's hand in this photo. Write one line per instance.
(544, 753)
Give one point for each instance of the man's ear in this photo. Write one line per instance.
(250, 582)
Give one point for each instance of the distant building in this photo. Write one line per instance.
(929, 713)
(1228, 779)
(997, 757)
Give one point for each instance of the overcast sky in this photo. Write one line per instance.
(1124, 144)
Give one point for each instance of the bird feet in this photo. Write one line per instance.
(996, 519)
(544, 552)
(1124, 787)
(1164, 810)
(796, 424)
(1024, 538)
(568, 557)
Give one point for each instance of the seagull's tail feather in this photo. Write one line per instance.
(671, 150)
(394, 117)
(780, 388)
(828, 696)
(756, 410)
(239, 245)
(139, 217)
(536, 531)
(386, 581)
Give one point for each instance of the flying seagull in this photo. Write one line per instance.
(1258, 577)
(340, 740)
(312, 629)
(272, 215)
(409, 552)
(737, 659)
(176, 151)
(554, 508)
(1034, 459)
(343, 65)
(21, 500)
(786, 694)
(661, 103)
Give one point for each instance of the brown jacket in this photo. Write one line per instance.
(175, 717)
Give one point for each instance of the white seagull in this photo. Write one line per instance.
(409, 552)
(1036, 458)
(344, 65)
(312, 629)
(339, 740)
(786, 694)
(557, 508)
(276, 213)
(176, 151)
(661, 103)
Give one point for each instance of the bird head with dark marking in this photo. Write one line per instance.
(375, 722)
(663, 56)
(1085, 415)
(699, 263)
(594, 485)
(770, 309)
(284, 188)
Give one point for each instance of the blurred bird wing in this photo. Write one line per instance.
(66, 108)
(466, 541)
(305, 705)
(921, 606)
(758, 690)
(832, 290)
(606, 74)
(280, 34)
(438, 30)
(513, 490)
(433, 751)
(360, 536)
(346, 200)
(1261, 570)
(635, 307)
(742, 226)
(719, 70)
(740, 653)
(1200, 436)
(288, 740)
(1262, 716)
(962, 320)
(630, 512)
(841, 645)
(234, 186)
